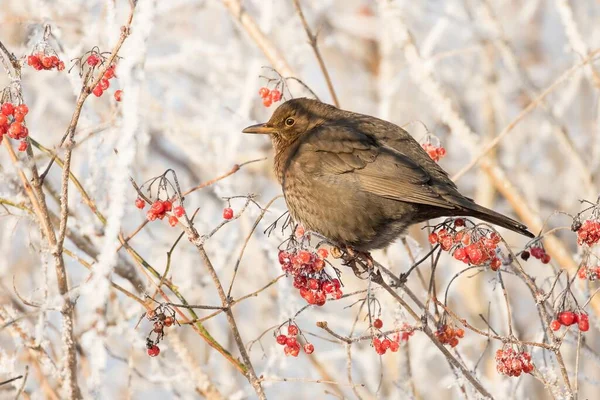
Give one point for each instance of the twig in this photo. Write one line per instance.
(312, 40)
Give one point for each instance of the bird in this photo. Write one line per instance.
(358, 180)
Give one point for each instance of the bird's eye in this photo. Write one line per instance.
(290, 121)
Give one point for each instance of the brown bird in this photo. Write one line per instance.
(358, 180)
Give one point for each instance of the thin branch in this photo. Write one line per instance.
(312, 40)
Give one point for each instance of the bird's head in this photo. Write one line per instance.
(291, 120)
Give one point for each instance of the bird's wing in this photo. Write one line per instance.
(345, 154)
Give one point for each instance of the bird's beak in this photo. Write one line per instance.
(263, 129)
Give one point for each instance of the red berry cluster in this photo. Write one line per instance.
(382, 345)
(162, 317)
(538, 252)
(449, 335)
(310, 278)
(104, 82)
(292, 347)
(568, 318)
(11, 123)
(41, 61)
(512, 363)
(589, 232)
(161, 208)
(436, 153)
(269, 96)
(589, 273)
(473, 246)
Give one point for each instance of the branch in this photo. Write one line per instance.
(312, 40)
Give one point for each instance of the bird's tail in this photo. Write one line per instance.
(477, 211)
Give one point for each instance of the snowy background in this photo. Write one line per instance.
(464, 70)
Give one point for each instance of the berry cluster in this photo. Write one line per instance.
(473, 246)
(40, 61)
(512, 363)
(447, 334)
(104, 82)
(162, 317)
(382, 345)
(269, 96)
(11, 123)
(292, 347)
(589, 273)
(307, 265)
(537, 251)
(589, 232)
(161, 208)
(568, 318)
(310, 278)
(435, 152)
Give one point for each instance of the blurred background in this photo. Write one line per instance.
(464, 71)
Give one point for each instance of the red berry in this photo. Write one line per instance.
(15, 130)
(167, 205)
(104, 83)
(173, 221)
(433, 238)
(3, 120)
(227, 213)
(545, 258)
(267, 102)
(169, 321)
(441, 152)
(378, 324)
(46, 61)
(281, 339)
(157, 207)
(294, 350)
(385, 344)
(582, 273)
(178, 211)
(495, 264)
(93, 60)
(300, 282)
(263, 92)
(153, 351)
(309, 348)
(110, 72)
(313, 284)
(60, 66)
(460, 254)
(98, 91)
(118, 95)
(525, 255)
(446, 242)
(328, 287)
(23, 109)
(322, 252)
(32, 60)
(23, 145)
(394, 346)
(19, 117)
(555, 325)
(584, 323)
(292, 330)
(566, 318)
(303, 257)
(140, 203)
(337, 294)
(275, 95)
(299, 232)
(8, 109)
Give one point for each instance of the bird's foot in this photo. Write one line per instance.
(354, 259)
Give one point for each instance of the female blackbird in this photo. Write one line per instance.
(358, 180)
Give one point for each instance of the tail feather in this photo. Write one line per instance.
(477, 211)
